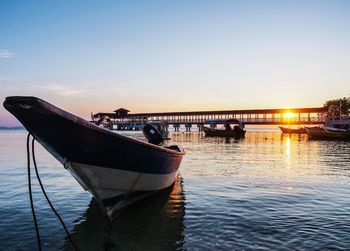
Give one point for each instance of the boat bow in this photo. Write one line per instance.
(116, 169)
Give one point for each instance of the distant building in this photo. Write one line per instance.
(121, 113)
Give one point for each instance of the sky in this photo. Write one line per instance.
(149, 56)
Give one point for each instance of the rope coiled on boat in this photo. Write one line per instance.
(45, 194)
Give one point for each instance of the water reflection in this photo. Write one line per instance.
(266, 192)
(262, 153)
(155, 223)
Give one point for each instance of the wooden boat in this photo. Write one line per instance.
(322, 133)
(228, 132)
(115, 169)
(300, 130)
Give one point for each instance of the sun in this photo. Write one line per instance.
(288, 115)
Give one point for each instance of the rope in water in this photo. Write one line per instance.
(48, 200)
(31, 196)
(46, 196)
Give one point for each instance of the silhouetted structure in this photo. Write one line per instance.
(135, 121)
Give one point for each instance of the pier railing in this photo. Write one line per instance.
(262, 121)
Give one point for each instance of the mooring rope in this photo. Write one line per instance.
(107, 242)
(31, 196)
(45, 194)
(48, 200)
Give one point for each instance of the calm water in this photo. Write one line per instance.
(266, 192)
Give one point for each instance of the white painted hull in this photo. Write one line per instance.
(106, 183)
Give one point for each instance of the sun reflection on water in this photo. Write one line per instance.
(287, 153)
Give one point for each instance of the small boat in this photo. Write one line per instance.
(228, 132)
(322, 133)
(300, 130)
(115, 169)
(338, 123)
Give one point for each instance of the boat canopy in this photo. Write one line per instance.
(222, 121)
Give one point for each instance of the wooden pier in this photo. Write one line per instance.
(121, 119)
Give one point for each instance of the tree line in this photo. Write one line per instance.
(338, 107)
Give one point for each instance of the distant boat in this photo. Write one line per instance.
(300, 130)
(115, 169)
(322, 133)
(337, 124)
(333, 128)
(236, 132)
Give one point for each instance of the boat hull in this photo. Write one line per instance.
(107, 164)
(115, 188)
(292, 130)
(321, 133)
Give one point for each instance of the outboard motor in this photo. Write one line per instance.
(153, 135)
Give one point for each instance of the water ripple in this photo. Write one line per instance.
(266, 192)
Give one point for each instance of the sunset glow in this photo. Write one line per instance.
(288, 115)
(174, 56)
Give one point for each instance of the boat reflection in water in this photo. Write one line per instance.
(153, 223)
